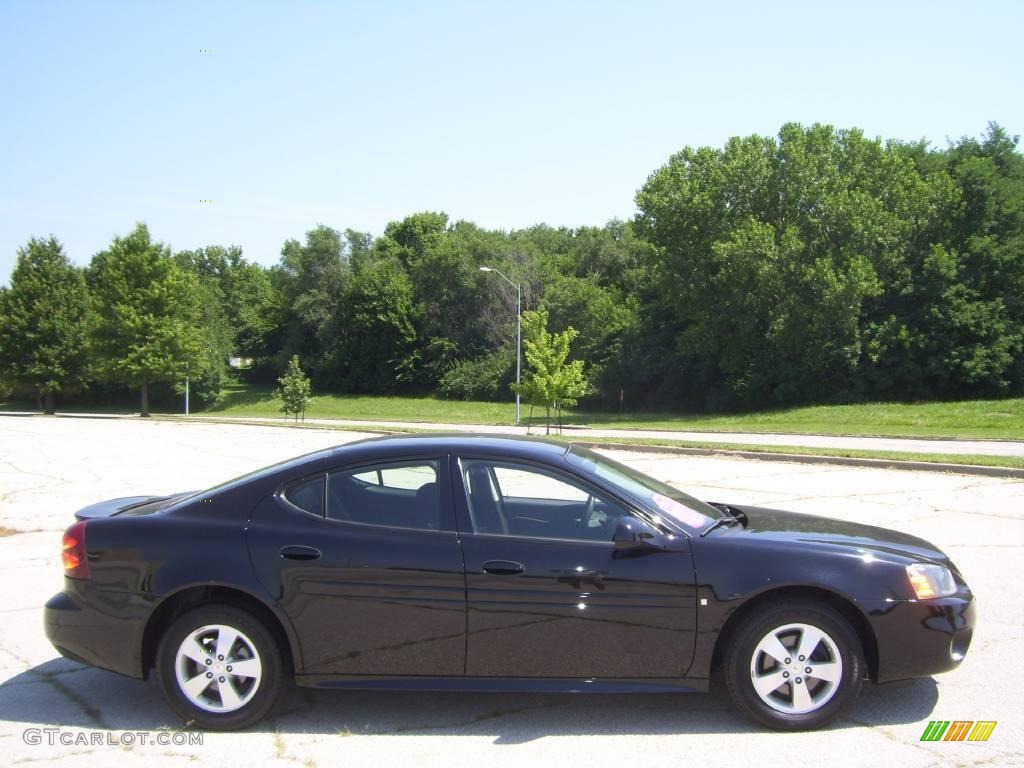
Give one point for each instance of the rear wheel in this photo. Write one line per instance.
(794, 665)
(219, 667)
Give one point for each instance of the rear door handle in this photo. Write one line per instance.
(299, 552)
(503, 568)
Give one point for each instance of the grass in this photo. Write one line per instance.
(112, 409)
(984, 419)
(253, 401)
(1002, 419)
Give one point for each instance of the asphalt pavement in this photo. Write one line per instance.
(50, 467)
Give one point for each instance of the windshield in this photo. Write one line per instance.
(669, 501)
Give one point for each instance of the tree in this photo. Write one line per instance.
(210, 265)
(240, 312)
(310, 279)
(373, 331)
(295, 391)
(451, 300)
(148, 322)
(602, 316)
(550, 380)
(771, 255)
(43, 322)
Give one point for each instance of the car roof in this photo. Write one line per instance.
(517, 446)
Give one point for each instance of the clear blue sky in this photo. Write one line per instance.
(507, 114)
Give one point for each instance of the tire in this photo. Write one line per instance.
(786, 629)
(228, 700)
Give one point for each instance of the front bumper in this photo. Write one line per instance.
(918, 638)
(98, 628)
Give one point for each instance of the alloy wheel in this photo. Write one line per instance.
(218, 668)
(796, 668)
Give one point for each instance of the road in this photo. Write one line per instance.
(49, 467)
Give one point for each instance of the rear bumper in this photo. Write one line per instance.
(102, 631)
(918, 638)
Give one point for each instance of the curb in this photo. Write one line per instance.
(934, 438)
(793, 458)
(289, 425)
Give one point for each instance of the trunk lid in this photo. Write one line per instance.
(128, 505)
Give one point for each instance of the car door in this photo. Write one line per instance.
(366, 563)
(548, 593)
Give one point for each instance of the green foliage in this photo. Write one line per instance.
(43, 322)
(373, 332)
(458, 312)
(818, 265)
(148, 315)
(602, 317)
(551, 380)
(823, 265)
(239, 309)
(413, 237)
(310, 280)
(483, 378)
(295, 391)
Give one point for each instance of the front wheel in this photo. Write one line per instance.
(794, 665)
(219, 667)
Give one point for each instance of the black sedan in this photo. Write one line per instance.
(496, 564)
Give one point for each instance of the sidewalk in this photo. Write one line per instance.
(1012, 448)
(907, 445)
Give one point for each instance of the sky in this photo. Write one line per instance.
(288, 115)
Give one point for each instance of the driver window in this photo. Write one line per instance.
(521, 500)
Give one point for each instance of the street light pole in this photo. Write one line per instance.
(519, 329)
(519, 341)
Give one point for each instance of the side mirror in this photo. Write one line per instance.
(633, 536)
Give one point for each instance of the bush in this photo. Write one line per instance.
(484, 378)
(205, 390)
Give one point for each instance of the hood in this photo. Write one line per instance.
(781, 526)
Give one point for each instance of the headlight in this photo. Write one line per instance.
(930, 580)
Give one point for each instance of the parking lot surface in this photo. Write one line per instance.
(49, 467)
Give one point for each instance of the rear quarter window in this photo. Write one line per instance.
(307, 495)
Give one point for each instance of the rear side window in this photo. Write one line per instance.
(403, 494)
(410, 477)
(308, 495)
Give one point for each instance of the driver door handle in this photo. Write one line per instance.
(503, 568)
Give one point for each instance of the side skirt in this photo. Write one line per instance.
(505, 684)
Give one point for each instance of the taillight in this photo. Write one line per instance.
(76, 562)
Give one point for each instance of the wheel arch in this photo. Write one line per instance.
(841, 604)
(185, 599)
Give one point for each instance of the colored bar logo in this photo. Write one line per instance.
(958, 730)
